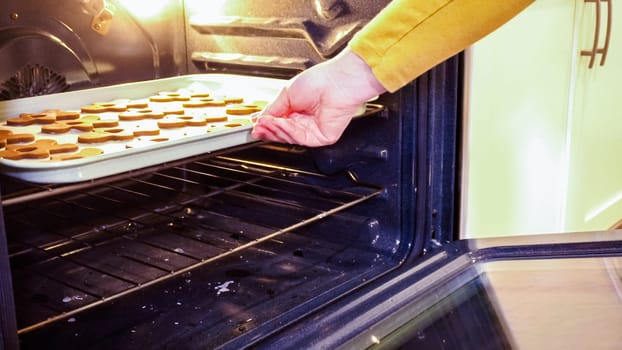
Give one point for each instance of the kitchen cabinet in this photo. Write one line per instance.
(541, 126)
(594, 198)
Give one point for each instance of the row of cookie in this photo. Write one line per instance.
(193, 100)
(17, 148)
(68, 117)
(90, 123)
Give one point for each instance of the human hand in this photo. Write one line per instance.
(318, 104)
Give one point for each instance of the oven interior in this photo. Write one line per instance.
(216, 243)
(224, 249)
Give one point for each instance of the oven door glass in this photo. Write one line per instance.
(522, 304)
(541, 292)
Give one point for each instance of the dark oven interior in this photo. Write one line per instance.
(225, 248)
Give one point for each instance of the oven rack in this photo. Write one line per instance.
(96, 244)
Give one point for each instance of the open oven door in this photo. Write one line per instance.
(557, 291)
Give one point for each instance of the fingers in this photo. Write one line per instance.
(265, 130)
(268, 131)
(278, 122)
(301, 131)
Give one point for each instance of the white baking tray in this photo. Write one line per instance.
(116, 157)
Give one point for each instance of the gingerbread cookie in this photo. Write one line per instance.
(216, 118)
(242, 109)
(102, 107)
(161, 98)
(197, 104)
(62, 115)
(181, 122)
(233, 125)
(213, 103)
(8, 137)
(105, 135)
(146, 130)
(26, 119)
(86, 123)
(48, 116)
(137, 104)
(84, 153)
(140, 115)
(200, 95)
(229, 100)
(169, 111)
(39, 149)
(169, 97)
(178, 96)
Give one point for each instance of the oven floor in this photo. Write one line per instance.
(215, 303)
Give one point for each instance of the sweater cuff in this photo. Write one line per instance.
(409, 37)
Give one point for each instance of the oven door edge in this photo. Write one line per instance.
(8, 322)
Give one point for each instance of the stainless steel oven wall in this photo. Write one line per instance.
(49, 46)
(271, 37)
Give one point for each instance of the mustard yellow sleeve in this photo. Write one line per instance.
(408, 37)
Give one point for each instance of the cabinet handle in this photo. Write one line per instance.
(605, 50)
(595, 49)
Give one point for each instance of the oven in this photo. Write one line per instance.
(238, 243)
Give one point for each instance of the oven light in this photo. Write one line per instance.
(146, 9)
(206, 9)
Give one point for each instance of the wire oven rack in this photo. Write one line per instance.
(105, 239)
